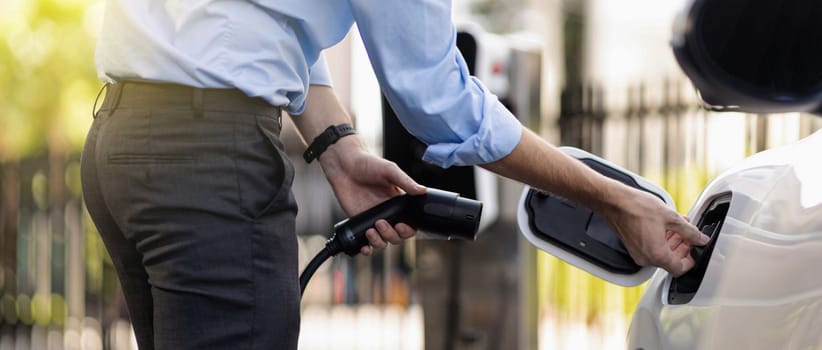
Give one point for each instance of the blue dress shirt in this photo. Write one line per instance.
(273, 49)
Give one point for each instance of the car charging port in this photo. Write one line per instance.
(683, 288)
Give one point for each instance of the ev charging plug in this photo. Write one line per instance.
(436, 212)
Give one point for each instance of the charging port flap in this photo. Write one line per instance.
(579, 236)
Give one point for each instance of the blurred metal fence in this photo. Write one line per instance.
(58, 289)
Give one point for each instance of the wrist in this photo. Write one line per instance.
(614, 197)
(339, 156)
(325, 139)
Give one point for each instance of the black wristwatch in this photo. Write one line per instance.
(325, 139)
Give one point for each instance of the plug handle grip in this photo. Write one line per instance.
(436, 212)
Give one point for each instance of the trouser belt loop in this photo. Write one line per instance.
(94, 110)
(280, 118)
(197, 103)
(117, 92)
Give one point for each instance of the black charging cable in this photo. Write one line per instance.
(437, 212)
(312, 267)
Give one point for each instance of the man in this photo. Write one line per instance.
(186, 179)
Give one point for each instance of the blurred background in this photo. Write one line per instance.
(594, 74)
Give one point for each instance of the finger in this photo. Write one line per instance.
(683, 250)
(666, 260)
(387, 232)
(686, 264)
(400, 179)
(366, 250)
(674, 242)
(405, 231)
(673, 239)
(688, 232)
(374, 239)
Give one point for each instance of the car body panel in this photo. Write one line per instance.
(762, 288)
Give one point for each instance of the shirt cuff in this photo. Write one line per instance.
(498, 135)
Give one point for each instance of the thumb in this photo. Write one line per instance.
(688, 232)
(400, 179)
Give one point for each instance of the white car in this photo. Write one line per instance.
(756, 285)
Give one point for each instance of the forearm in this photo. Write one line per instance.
(322, 110)
(539, 164)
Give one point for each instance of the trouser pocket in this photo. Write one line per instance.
(277, 169)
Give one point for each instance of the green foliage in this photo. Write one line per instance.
(47, 78)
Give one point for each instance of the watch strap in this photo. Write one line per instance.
(325, 139)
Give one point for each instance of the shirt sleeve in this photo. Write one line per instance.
(412, 47)
(318, 74)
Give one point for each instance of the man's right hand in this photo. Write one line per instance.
(653, 233)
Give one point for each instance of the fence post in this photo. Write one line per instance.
(9, 204)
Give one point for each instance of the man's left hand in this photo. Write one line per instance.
(361, 180)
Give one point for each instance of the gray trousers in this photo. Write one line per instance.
(191, 192)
